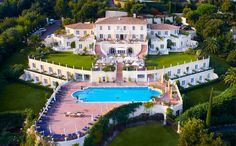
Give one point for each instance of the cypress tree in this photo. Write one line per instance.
(208, 118)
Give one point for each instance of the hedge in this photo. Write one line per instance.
(99, 133)
(223, 111)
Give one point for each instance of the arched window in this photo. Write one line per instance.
(112, 51)
(130, 51)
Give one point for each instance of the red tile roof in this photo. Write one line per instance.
(81, 26)
(121, 20)
(163, 26)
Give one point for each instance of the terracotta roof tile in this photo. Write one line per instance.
(121, 20)
(81, 26)
(163, 26)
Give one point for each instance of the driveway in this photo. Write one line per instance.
(51, 29)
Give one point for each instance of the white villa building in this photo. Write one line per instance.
(126, 36)
(120, 40)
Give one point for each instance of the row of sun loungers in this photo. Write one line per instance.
(42, 127)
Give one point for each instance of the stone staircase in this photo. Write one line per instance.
(143, 52)
(98, 51)
(119, 73)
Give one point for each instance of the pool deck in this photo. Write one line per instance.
(60, 124)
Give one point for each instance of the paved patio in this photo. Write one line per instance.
(59, 123)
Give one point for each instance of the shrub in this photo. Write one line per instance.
(100, 131)
(14, 72)
(231, 59)
(222, 106)
(109, 68)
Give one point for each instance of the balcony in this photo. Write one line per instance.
(190, 73)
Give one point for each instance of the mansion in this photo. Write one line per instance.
(120, 42)
(122, 36)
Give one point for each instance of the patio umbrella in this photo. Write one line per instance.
(92, 118)
(50, 130)
(135, 64)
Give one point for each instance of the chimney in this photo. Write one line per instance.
(134, 15)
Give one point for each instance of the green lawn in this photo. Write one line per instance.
(200, 95)
(17, 96)
(147, 135)
(72, 59)
(166, 60)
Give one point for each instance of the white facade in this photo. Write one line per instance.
(48, 73)
(117, 32)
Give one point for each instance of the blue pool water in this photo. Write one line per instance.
(115, 94)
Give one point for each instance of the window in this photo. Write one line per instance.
(183, 83)
(45, 81)
(152, 46)
(208, 76)
(196, 66)
(200, 78)
(152, 33)
(68, 44)
(141, 28)
(33, 64)
(80, 46)
(192, 80)
(159, 33)
(117, 36)
(77, 32)
(91, 46)
(169, 73)
(92, 32)
(37, 79)
(166, 32)
(85, 32)
(100, 27)
(109, 36)
(124, 27)
(101, 36)
(204, 64)
(141, 76)
(50, 70)
(141, 36)
(41, 67)
(162, 46)
(133, 27)
(178, 71)
(109, 28)
(59, 72)
(133, 36)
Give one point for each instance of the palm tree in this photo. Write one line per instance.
(230, 76)
(211, 45)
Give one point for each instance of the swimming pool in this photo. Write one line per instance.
(116, 94)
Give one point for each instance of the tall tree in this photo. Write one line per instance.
(211, 45)
(208, 118)
(194, 133)
(230, 76)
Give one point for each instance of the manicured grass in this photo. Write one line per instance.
(166, 60)
(71, 59)
(16, 96)
(147, 135)
(201, 95)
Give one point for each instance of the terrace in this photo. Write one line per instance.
(157, 61)
(65, 118)
(70, 59)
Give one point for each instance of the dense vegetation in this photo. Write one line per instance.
(222, 109)
(213, 27)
